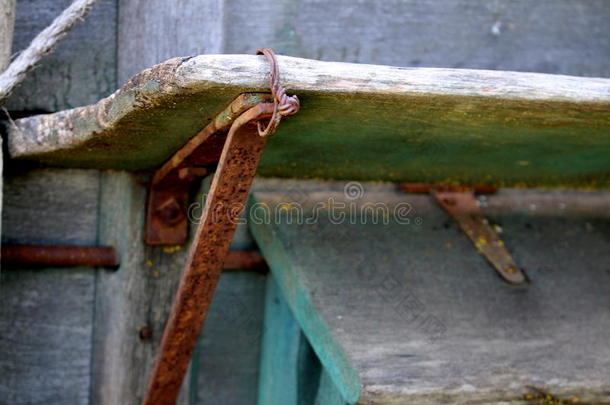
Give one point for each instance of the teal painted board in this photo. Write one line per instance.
(328, 394)
(298, 297)
(291, 373)
(421, 316)
(280, 345)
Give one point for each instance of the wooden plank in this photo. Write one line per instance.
(51, 206)
(550, 36)
(280, 342)
(422, 317)
(152, 31)
(382, 123)
(80, 71)
(45, 336)
(7, 23)
(46, 314)
(138, 295)
(291, 373)
(228, 355)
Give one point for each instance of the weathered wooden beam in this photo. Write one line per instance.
(7, 23)
(46, 316)
(382, 123)
(407, 312)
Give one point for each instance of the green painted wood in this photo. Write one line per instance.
(280, 343)
(422, 318)
(297, 295)
(357, 122)
(290, 371)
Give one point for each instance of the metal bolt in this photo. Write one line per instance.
(170, 212)
(145, 333)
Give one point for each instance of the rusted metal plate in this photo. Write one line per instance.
(464, 208)
(226, 199)
(166, 214)
(59, 256)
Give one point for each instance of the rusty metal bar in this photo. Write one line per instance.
(463, 207)
(245, 260)
(103, 256)
(460, 202)
(166, 211)
(227, 196)
(59, 256)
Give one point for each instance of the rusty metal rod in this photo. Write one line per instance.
(245, 260)
(227, 196)
(59, 256)
(103, 256)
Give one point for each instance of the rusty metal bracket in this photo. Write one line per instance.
(223, 206)
(460, 202)
(167, 207)
(168, 192)
(239, 159)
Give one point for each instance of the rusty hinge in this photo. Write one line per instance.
(460, 202)
(239, 159)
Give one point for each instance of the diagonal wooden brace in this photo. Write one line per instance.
(226, 199)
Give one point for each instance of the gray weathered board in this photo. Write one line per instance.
(382, 123)
(45, 314)
(409, 312)
(71, 336)
(80, 71)
(550, 36)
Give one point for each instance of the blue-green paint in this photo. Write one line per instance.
(331, 354)
(280, 345)
(290, 371)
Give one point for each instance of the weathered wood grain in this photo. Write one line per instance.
(138, 295)
(7, 23)
(46, 314)
(43, 44)
(83, 67)
(45, 336)
(420, 314)
(382, 123)
(51, 206)
(548, 36)
(226, 363)
(151, 31)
